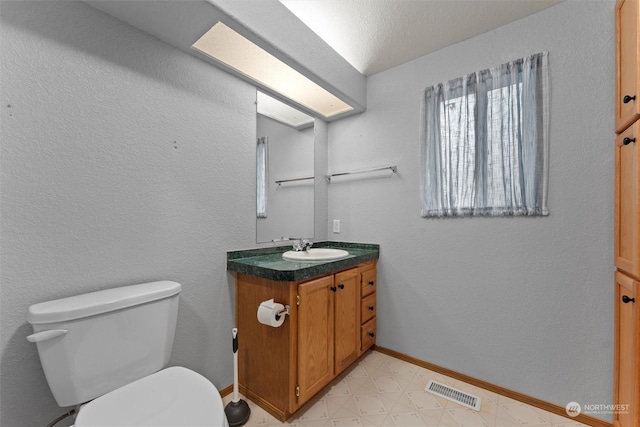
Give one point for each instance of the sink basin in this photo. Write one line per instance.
(315, 254)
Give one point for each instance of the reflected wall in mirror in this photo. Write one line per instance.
(285, 175)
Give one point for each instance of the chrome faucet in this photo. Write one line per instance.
(301, 245)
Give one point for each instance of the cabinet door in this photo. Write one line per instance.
(627, 57)
(627, 202)
(627, 353)
(315, 336)
(347, 318)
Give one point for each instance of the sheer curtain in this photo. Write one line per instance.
(484, 142)
(262, 176)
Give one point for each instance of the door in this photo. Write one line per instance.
(627, 56)
(315, 336)
(626, 374)
(627, 202)
(347, 318)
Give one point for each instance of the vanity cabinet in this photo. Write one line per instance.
(627, 100)
(627, 217)
(282, 368)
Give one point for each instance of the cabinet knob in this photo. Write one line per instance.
(333, 289)
(341, 286)
(371, 334)
(627, 99)
(628, 141)
(626, 299)
(371, 283)
(371, 308)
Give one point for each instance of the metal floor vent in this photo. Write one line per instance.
(449, 393)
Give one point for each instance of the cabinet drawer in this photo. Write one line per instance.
(367, 308)
(368, 334)
(627, 201)
(369, 282)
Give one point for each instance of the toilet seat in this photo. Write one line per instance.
(171, 397)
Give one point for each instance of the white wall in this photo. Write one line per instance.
(525, 303)
(123, 160)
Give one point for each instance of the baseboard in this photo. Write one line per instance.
(538, 403)
(225, 391)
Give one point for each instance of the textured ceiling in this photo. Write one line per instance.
(374, 35)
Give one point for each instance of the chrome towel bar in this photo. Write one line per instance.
(280, 181)
(393, 168)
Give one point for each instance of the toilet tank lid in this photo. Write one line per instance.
(98, 302)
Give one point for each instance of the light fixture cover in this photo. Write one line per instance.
(227, 46)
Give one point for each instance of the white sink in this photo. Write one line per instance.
(315, 254)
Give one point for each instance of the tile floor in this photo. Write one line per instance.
(381, 390)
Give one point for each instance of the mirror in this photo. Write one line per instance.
(284, 171)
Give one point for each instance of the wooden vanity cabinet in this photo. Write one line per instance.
(627, 100)
(627, 348)
(282, 368)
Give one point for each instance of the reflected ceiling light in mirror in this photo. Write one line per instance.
(227, 46)
(277, 110)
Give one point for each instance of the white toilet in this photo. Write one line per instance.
(106, 351)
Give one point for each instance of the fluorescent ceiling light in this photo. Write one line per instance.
(276, 110)
(225, 45)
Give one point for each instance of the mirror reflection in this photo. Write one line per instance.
(284, 171)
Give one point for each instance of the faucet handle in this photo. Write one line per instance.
(300, 244)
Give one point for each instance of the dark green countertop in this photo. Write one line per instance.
(269, 264)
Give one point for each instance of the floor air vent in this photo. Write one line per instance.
(449, 393)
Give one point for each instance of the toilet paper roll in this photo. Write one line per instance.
(267, 312)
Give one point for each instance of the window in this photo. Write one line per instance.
(484, 144)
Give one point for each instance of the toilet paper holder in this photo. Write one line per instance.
(283, 312)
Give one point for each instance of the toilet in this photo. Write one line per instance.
(106, 352)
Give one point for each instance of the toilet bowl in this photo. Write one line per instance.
(106, 352)
(172, 397)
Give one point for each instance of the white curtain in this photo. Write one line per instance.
(262, 166)
(484, 142)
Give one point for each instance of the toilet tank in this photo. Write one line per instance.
(93, 343)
